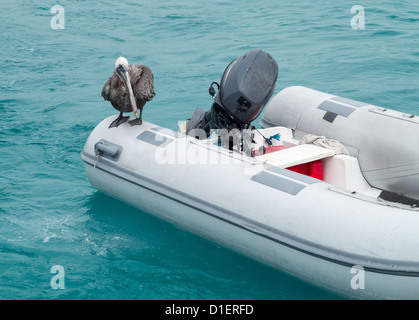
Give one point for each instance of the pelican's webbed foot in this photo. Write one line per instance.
(118, 121)
(136, 122)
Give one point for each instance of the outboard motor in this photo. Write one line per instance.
(246, 87)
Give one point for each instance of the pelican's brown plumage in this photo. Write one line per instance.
(130, 86)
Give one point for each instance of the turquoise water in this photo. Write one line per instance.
(50, 85)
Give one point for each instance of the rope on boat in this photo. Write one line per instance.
(269, 140)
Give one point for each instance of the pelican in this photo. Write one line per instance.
(129, 88)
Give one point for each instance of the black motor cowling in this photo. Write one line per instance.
(246, 87)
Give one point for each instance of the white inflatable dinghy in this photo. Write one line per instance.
(327, 190)
(317, 230)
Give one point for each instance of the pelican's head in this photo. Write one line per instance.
(122, 69)
(121, 61)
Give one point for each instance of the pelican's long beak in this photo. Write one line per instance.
(124, 75)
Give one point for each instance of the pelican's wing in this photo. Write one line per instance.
(106, 91)
(143, 82)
